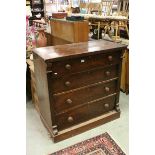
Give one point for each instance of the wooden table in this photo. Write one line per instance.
(114, 22)
(64, 31)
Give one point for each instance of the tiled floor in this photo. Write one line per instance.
(40, 143)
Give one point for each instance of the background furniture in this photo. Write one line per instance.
(123, 7)
(125, 72)
(95, 8)
(107, 7)
(78, 86)
(109, 22)
(37, 7)
(32, 84)
(64, 31)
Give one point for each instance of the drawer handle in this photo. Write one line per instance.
(106, 105)
(69, 101)
(68, 66)
(70, 119)
(67, 83)
(110, 58)
(107, 89)
(107, 73)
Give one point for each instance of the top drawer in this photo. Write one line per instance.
(83, 63)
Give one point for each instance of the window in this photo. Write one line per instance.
(84, 1)
(75, 3)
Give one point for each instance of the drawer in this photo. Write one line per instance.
(85, 113)
(75, 65)
(72, 117)
(81, 79)
(102, 106)
(70, 99)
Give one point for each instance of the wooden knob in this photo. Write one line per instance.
(68, 66)
(107, 89)
(69, 101)
(110, 58)
(106, 105)
(70, 119)
(67, 83)
(107, 73)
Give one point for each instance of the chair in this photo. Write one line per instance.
(123, 10)
(97, 9)
(83, 7)
(123, 7)
(106, 11)
(107, 7)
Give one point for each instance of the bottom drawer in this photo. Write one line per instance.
(84, 113)
(102, 106)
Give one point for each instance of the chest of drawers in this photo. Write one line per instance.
(78, 86)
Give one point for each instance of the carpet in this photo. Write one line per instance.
(99, 145)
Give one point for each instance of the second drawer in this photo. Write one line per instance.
(82, 79)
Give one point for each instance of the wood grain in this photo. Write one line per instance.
(78, 86)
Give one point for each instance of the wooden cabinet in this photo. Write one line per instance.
(78, 86)
(64, 31)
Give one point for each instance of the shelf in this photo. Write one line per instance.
(37, 11)
(37, 4)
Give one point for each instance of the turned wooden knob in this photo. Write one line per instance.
(106, 105)
(107, 89)
(67, 83)
(69, 101)
(68, 66)
(70, 119)
(110, 58)
(107, 73)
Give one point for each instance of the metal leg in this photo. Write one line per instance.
(126, 27)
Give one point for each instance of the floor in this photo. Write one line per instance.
(39, 142)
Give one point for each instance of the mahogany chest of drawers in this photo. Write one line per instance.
(78, 86)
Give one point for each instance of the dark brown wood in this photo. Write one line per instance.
(83, 95)
(85, 112)
(58, 41)
(57, 83)
(82, 127)
(61, 52)
(84, 63)
(78, 86)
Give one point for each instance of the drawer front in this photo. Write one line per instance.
(85, 113)
(75, 65)
(72, 117)
(101, 107)
(81, 79)
(78, 97)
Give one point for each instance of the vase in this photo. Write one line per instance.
(41, 40)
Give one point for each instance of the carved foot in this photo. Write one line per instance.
(55, 130)
(117, 108)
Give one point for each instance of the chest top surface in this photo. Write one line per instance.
(54, 53)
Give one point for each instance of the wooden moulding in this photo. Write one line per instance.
(82, 127)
